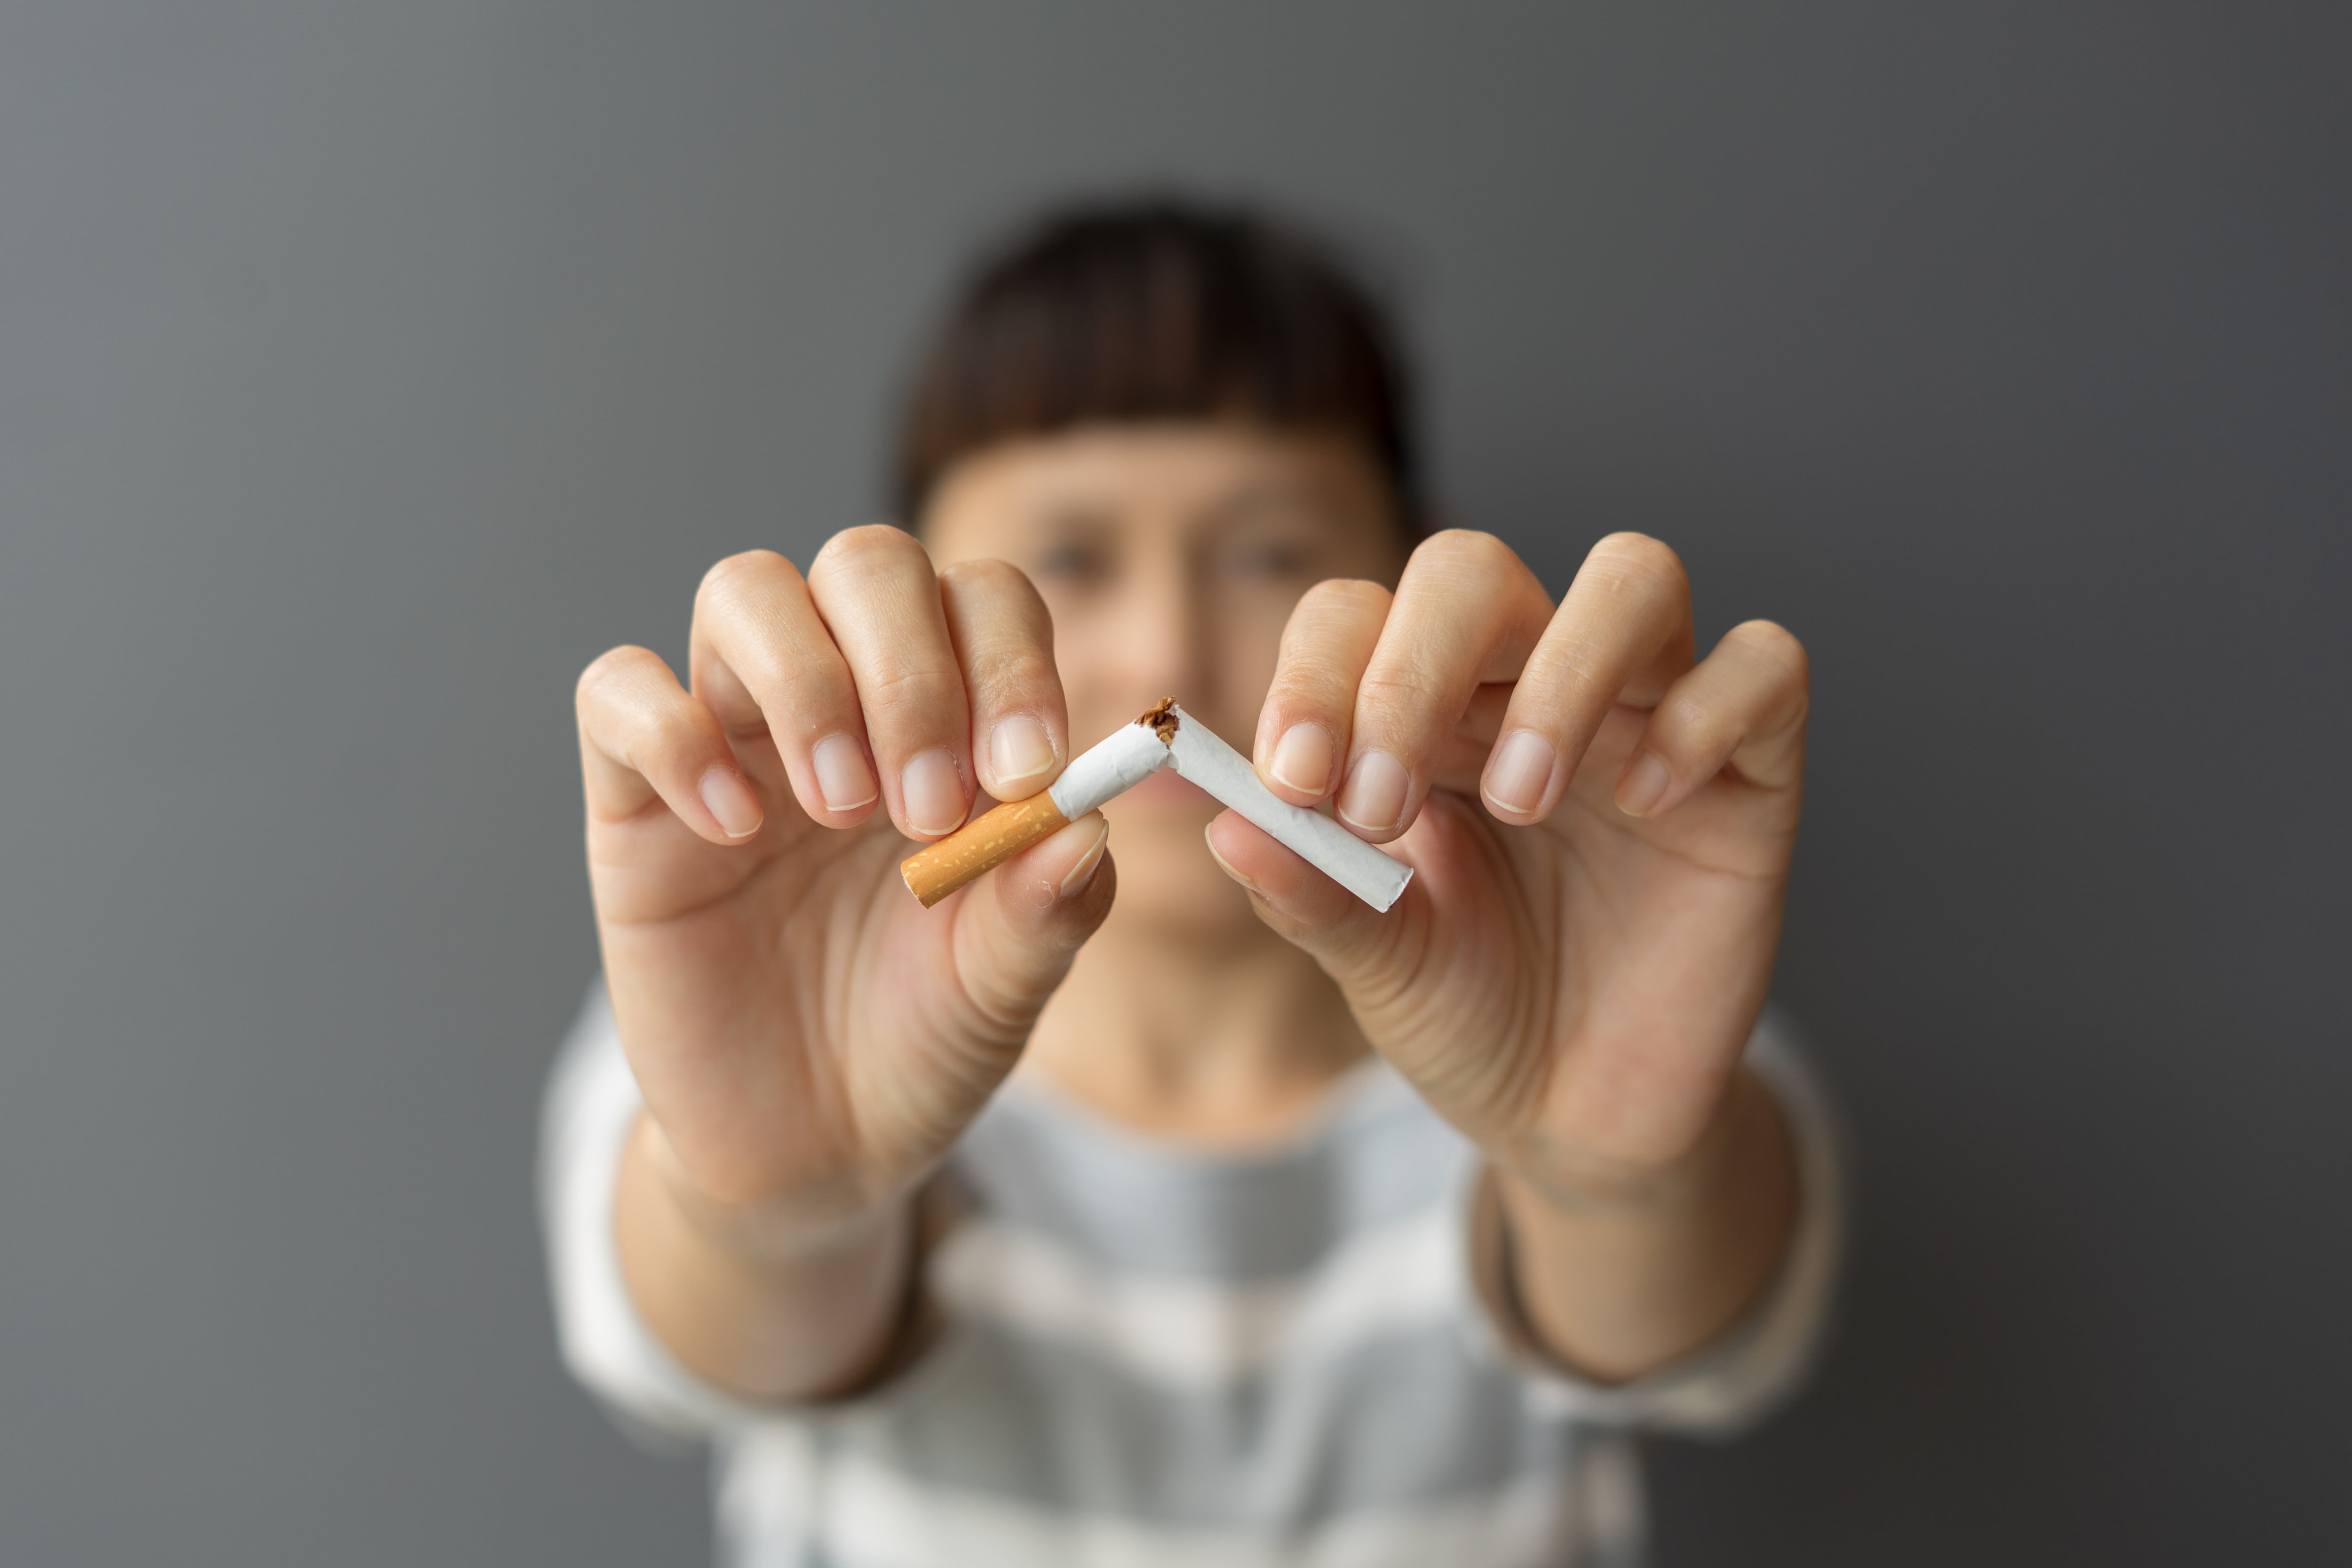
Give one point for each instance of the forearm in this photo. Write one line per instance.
(748, 1303)
(1618, 1273)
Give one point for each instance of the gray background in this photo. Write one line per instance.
(364, 371)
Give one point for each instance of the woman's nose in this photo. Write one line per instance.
(1159, 637)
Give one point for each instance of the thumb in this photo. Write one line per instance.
(1018, 928)
(1357, 946)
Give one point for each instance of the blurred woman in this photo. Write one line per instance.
(1170, 1205)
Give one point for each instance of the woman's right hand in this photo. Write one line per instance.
(808, 1039)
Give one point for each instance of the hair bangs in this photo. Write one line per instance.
(1156, 312)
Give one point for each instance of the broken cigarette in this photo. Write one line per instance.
(1132, 754)
(1198, 755)
(1165, 736)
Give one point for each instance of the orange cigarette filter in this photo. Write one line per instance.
(938, 869)
(1127, 757)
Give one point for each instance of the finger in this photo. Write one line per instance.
(1348, 937)
(764, 663)
(1004, 640)
(1744, 707)
(1467, 611)
(880, 599)
(1462, 757)
(1623, 633)
(1309, 712)
(1018, 928)
(643, 738)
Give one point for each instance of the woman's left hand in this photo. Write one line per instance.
(1600, 827)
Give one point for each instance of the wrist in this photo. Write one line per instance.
(803, 1224)
(773, 1301)
(1619, 1270)
(1598, 1176)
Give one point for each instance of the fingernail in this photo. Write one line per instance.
(933, 787)
(730, 800)
(1302, 759)
(842, 775)
(1224, 864)
(1373, 799)
(1075, 879)
(1019, 750)
(1520, 772)
(1643, 786)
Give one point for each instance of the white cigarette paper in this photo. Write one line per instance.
(1200, 757)
(1132, 754)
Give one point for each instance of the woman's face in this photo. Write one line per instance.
(1170, 556)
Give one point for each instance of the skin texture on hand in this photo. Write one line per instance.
(796, 1023)
(809, 1040)
(1600, 830)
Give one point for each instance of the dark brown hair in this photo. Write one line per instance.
(1161, 309)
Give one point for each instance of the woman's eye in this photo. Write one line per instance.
(1269, 558)
(1070, 563)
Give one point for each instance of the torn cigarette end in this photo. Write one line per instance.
(938, 869)
(1199, 755)
(1129, 755)
(1161, 720)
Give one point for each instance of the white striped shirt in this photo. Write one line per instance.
(1152, 1355)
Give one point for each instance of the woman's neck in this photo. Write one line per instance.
(1226, 1039)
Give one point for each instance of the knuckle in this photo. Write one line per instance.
(1686, 725)
(670, 732)
(1326, 637)
(784, 685)
(900, 684)
(1018, 667)
(1566, 669)
(1466, 551)
(612, 663)
(728, 579)
(1010, 680)
(1776, 643)
(991, 576)
(875, 547)
(995, 613)
(1393, 698)
(1640, 557)
(1309, 683)
(1336, 597)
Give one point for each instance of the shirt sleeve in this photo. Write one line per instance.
(591, 1103)
(1761, 1362)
